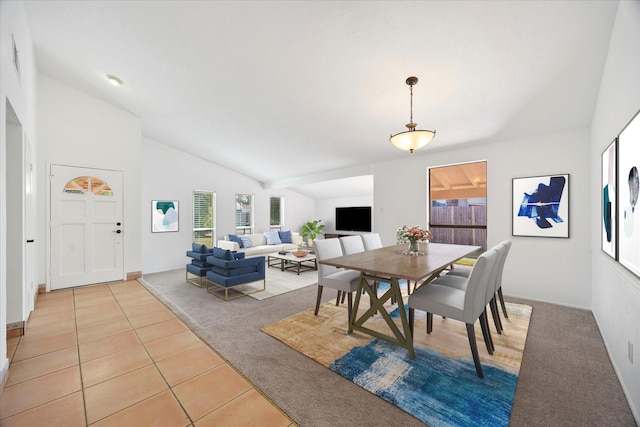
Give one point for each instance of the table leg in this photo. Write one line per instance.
(402, 338)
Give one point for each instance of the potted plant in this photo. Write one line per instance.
(300, 252)
(311, 230)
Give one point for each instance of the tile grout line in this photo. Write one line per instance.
(135, 330)
(84, 399)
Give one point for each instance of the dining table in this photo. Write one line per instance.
(392, 264)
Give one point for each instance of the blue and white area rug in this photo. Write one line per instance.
(440, 386)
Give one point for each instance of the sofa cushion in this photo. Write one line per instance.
(222, 254)
(285, 236)
(246, 242)
(198, 248)
(233, 272)
(273, 238)
(235, 238)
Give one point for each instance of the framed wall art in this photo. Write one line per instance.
(541, 206)
(609, 207)
(164, 216)
(628, 187)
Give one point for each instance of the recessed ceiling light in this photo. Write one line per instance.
(114, 80)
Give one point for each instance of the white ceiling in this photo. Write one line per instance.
(288, 91)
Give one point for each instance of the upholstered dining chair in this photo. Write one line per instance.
(466, 306)
(497, 288)
(332, 277)
(352, 244)
(371, 241)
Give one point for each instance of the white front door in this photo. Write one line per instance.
(86, 226)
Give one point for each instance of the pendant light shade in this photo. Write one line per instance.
(412, 139)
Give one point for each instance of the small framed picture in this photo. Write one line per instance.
(164, 216)
(609, 208)
(541, 206)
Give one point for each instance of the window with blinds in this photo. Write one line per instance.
(244, 213)
(275, 212)
(204, 218)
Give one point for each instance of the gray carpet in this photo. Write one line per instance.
(566, 378)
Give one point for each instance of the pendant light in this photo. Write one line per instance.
(412, 139)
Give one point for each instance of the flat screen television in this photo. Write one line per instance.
(353, 218)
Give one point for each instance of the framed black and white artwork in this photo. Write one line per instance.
(628, 187)
(541, 206)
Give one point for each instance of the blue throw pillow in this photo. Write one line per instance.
(235, 238)
(222, 254)
(272, 237)
(200, 249)
(285, 236)
(246, 242)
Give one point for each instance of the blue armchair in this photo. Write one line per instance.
(197, 270)
(230, 270)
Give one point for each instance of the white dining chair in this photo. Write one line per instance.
(371, 241)
(345, 281)
(352, 244)
(497, 288)
(466, 305)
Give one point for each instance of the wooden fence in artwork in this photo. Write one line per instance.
(463, 225)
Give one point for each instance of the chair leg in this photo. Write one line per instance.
(342, 298)
(504, 307)
(474, 349)
(318, 300)
(429, 322)
(484, 325)
(338, 298)
(349, 303)
(496, 315)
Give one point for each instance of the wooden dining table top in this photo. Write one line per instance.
(391, 262)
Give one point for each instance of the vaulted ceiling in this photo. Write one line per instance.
(294, 93)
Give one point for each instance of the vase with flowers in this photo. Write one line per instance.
(413, 235)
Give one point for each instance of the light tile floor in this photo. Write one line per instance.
(113, 355)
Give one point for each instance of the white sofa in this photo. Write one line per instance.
(259, 244)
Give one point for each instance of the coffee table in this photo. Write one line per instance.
(291, 262)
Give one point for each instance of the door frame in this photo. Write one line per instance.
(47, 233)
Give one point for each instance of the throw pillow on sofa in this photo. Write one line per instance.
(273, 238)
(235, 238)
(285, 236)
(246, 242)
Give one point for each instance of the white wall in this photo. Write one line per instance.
(326, 209)
(545, 269)
(170, 174)
(20, 92)
(79, 130)
(616, 292)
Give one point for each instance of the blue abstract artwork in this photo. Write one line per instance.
(164, 216)
(542, 206)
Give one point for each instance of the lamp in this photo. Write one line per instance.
(412, 139)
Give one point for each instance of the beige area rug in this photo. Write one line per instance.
(440, 386)
(280, 282)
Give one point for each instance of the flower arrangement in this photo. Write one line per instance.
(406, 234)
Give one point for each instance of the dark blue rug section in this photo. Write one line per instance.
(437, 390)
